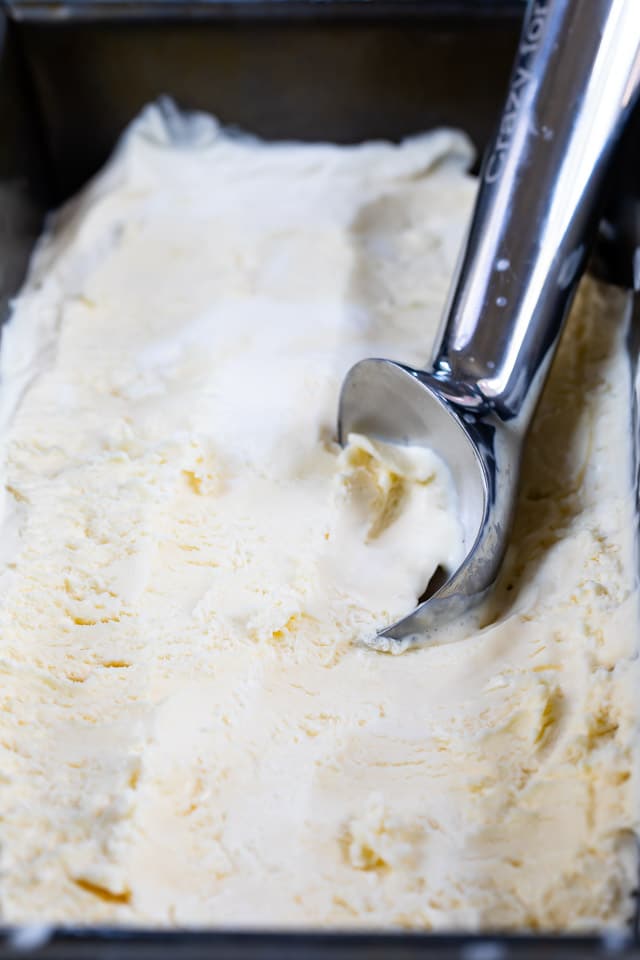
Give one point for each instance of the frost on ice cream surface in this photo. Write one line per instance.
(190, 734)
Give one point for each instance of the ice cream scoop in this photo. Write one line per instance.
(573, 86)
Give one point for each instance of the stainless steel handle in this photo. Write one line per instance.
(575, 78)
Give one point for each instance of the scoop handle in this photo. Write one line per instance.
(574, 81)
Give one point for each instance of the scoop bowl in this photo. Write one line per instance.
(397, 404)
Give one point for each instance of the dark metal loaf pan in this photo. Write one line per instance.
(73, 74)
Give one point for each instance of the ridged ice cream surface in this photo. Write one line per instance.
(192, 732)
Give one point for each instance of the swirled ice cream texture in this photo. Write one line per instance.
(190, 733)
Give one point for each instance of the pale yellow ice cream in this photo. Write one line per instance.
(190, 732)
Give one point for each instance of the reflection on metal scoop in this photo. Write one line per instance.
(576, 76)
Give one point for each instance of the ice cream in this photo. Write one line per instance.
(191, 733)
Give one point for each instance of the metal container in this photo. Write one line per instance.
(73, 74)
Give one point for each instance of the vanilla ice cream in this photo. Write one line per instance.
(192, 731)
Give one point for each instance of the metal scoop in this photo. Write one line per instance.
(576, 75)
